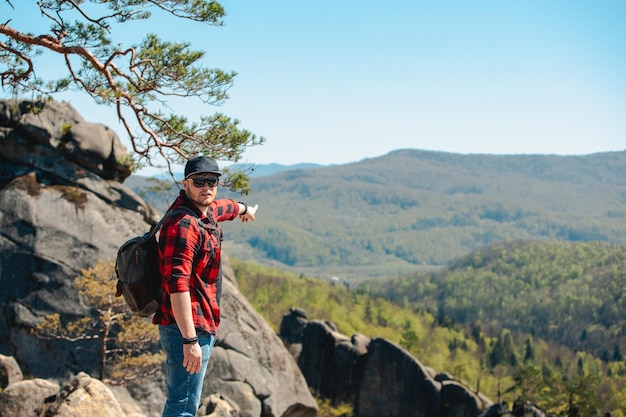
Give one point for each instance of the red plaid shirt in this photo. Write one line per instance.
(190, 261)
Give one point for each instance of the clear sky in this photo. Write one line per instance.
(333, 82)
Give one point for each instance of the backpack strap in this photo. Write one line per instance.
(177, 210)
(185, 210)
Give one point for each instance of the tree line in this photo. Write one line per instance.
(569, 293)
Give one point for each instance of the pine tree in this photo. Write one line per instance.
(142, 79)
(128, 343)
(529, 352)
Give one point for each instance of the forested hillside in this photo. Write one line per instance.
(569, 293)
(412, 209)
(495, 361)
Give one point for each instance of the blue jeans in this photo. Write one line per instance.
(184, 390)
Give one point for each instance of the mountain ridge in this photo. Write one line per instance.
(413, 209)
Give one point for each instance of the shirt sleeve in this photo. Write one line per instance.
(225, 209)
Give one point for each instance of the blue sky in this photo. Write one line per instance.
(333, 82)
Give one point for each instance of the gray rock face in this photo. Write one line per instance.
(330, 362)
(85, 396)
(61, 210)
(390, 372)
(10, 371)
(57, 126)
(56, 218)
(27, 398)
(379, 378)
(219, 406)
(291, 330)
(292, 325)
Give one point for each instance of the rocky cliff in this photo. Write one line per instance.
(63, 207)
(379, 378)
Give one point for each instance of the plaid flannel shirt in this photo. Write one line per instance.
(190, 261)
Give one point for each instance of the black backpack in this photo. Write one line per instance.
(137, 269)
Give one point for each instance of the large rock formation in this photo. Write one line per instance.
(62, 208)
(375, 376)
(27, 398)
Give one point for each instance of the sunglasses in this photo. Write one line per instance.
(200, 182)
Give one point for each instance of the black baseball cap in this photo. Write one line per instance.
(200, 165)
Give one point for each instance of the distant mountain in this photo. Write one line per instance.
(159, 192)
(413, 209)
(253, 170)
(270, 169)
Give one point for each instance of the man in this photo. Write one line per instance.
(189, 262)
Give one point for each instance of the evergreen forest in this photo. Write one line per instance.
(571, 294)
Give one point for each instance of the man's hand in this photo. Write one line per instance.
(250, 213)
(192, 360)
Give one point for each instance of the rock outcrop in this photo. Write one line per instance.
(28, 398)
(56, 218)
(375, 376)
(85, 396)
(62, 208)
(292, 328)
(10, 371)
